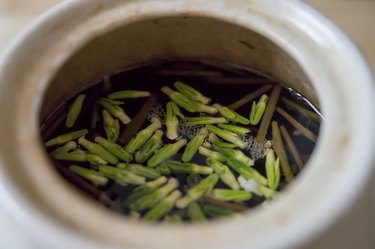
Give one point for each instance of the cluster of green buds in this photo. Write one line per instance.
(147, 163)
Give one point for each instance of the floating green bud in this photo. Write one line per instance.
(171, 121)
(231, 115)
(207, 145)
(69, 146)
(241, 119)
(194, 144)
(90, 175)
(111, 126)
(225, 174)
(163, 207)
(272, 169)
(141, 170)
(62, 139)
(231, 195)
(164, 169)
(253, 185)
(235, 154)
(180, 99)
(246, 171)
(212, 138)
(151, 199)
(195, 212)
(121, 176)
(203, 188)
(212, 154)
(115, 110)
(227, 135)
(95, 160)
(98, 150)
(165, 153)
(189, 168)
(225, 111)
(205, 108)
(79, 156)
(129, 94)
(112, 101)
(115, 149)
(142, 136)
(152, 145)
(177, 110)
(205, 120)
(226, 145)
(218, 212)
(234, 128)
(257, 110)
(144, 189)
(74, 110)
(191, 92)
(74, 156)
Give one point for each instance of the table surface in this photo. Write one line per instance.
(355, 17)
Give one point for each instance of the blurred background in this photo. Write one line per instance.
(356, 17)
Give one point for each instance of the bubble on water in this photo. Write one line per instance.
(158, 112)
(256, 151)
(187, 130)
(193, 180)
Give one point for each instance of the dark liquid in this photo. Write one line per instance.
(211, 80)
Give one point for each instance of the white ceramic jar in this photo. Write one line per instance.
(77, 42)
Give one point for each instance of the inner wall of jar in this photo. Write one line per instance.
(173, 38)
